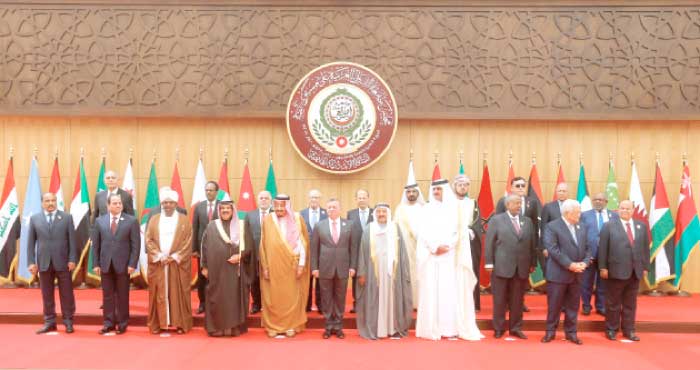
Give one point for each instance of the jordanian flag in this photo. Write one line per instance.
(582, 195)
(9, 225)
(246, 200)
(271, 181)
(687, 227)
(534, 191)
(80, 212)
(611, 189)
(152, 200)
(662, 231)
(93, 278)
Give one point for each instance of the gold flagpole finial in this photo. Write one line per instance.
(558, 159)
(658, 158)
(226, 154)
(685, 159)
(201, 153)
(131, 153)
(410, 154)
(12, 152)
(82, 152)
(103, 153)
(580, 158)
(632, 157)
(177, 154)
(270, 154)
(485, 154)
(154, 155)
(36, 152)
(246, 152)
(510, 157)
(55, 153)
(436, 154)
(533, 158)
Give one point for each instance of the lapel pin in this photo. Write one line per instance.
(578, 227)
(121, 218)
(343, 223)
(59, 217)
(637, 226)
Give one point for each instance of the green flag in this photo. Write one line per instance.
(152, 200)
(461, 168)
(271, 182)
(582, 195)
(101, 178)
(611, 190)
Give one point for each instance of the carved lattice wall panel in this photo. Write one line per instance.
(440, 62)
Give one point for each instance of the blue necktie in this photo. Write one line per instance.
(600, 220)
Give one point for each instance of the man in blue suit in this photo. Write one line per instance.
(593, 220)
(116, 241)
(569, 256)
(312, 215)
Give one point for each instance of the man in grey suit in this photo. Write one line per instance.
(623, 259)
(116, 240)
(569, 256)
(253, 222)
(312, 215)
(361, 218)
(511, 240)
(52, 234)
(204, 212)
(333, 260)
(112, 181)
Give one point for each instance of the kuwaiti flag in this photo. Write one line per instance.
(662, 230)
(80, 212)
(582, 195)
(152, 200)
(486, 209)
(246, 200)
(224, 188)
(9, 224)
(687, 227)
(55, 186)
(32, 205)
(198, 190)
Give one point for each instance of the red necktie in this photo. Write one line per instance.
(210, 212)
(630, 236)
(113, 226)
(334, 231)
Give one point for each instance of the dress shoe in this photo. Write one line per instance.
(326, 334)
(200, 309)
(105, 330)
(548, 337)
(525, 309)
(340, 334)
(518, 334)
(498, 333)
(69, 328)
(352, 310)
(610, 334)
(46, 329)
(631, 336)
(586, 311)
(120, 330)
(254, 310)
(600, 312)
(574, 339)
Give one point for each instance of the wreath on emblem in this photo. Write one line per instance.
(341, 114)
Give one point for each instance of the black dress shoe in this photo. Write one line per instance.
(352, 310)
(326, 334)
(498, 333)
(610, 334)
(586, 311)
(105, 330)
(574, 339)
(547, 338)
(631, 336)
(525, 309)
(340, 334)
(519, 334)
(46, 329)
(121, 330)
(69, 328)
(200, 309)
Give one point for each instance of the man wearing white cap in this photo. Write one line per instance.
(408, 216)
(169, 250)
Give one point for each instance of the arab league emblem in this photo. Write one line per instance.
(341, 117)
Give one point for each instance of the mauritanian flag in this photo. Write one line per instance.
(152, 200)
(224, 187)
(560, 180)
(486, 209)
(91, 276)
(534, 191)
(32, 205)
(611, 189)
(687, 227)
(9, 225)
(662, 230)
(246, 200)
(271, 181)
(80, 212)
(55, 186)
(582, 195)
(176, 184)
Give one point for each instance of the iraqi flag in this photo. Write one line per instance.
(55, 186)
(9, 225)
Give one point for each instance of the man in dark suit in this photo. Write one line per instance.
(116, 240)
(253, 222)
(594, 220)
(569, 256)
(333, 260)
(550, 212)
(623, 259)
(360, 217)
(511, 240)
(312, 215)
(203, 213)
(111, 180)
(52, 234)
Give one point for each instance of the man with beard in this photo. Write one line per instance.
(471, 229)
(408, 217)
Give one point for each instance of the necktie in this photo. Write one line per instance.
(600, 221)
(50, 220)
(314, 219)
(573, 233)
(210, 212)
(334, 232)
(516, 224)
(630, 236)
(113, 226)
(363, 217)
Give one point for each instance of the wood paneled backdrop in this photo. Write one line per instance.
(671, 139)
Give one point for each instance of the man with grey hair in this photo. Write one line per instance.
(569, 256)
(111, 179)
(312, 215)
(471, 229)
(511, 240)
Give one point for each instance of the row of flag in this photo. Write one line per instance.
(13, 258)
(671, 243)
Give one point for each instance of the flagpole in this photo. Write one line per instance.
(679, 292)
(652, 292)
(531, 290)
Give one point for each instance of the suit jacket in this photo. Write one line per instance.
(509, 253)
(200, 220)
(121, 249)
(330, 258)
(101, 203)
(563, 250)
(550, 212)
(305, 215)
(531, 211)
(55, 244)
(354, 216)
(617, 255)
(251, 235)
(589, 219)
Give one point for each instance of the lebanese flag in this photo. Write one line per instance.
(486, 209)
(176, 185)
(246, 200)
(560, 180)
(55, 186)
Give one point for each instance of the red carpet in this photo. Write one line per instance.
(139, 350)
